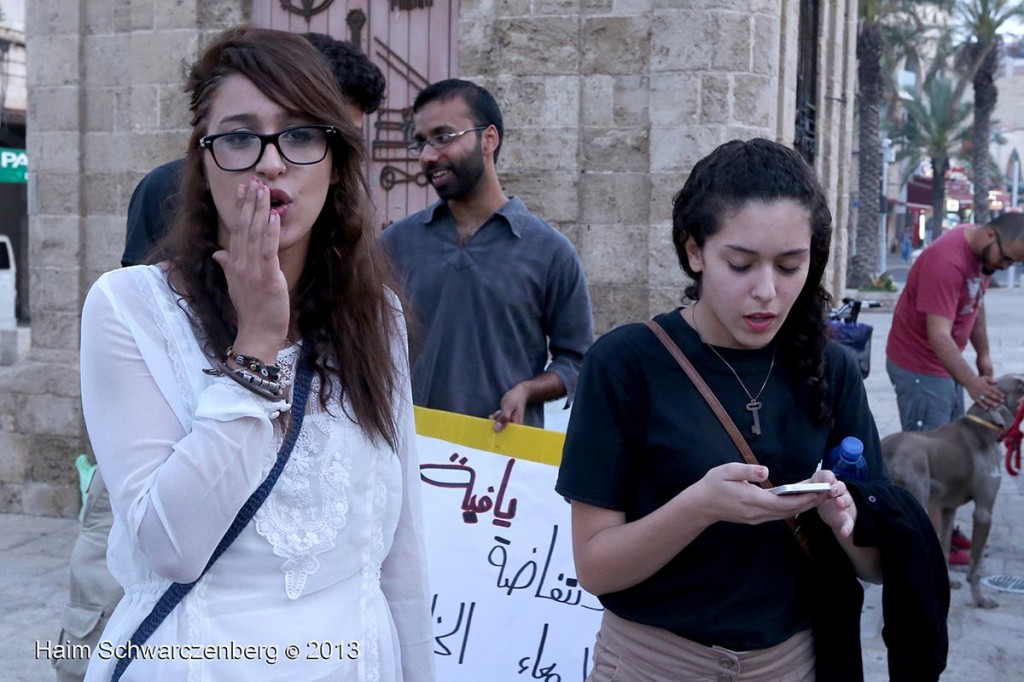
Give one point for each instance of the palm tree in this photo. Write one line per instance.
(937, 125)
(982, 19)
(876, 19)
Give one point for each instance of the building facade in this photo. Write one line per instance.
(1009, 156)
(607, 104)
(13, 186)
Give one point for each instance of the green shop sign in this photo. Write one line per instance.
(13, 164)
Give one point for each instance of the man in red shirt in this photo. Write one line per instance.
(940, 309)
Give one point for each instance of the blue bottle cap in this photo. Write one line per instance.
(853, 445)
(851, 448)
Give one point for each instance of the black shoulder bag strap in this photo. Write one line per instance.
(177, 591)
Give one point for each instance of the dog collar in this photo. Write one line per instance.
(984, 422)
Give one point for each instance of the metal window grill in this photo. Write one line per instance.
(806, 140)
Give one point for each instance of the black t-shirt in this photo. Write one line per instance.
(151, 210)
(640, 433)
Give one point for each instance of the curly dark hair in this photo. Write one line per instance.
(361, 82)
(342, 299)
(739, 172)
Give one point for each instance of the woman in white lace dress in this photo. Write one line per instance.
(272, 252)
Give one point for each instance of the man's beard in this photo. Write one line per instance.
(465, 176)
(987, 269)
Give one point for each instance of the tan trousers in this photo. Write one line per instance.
(93, 592)
(631, 652)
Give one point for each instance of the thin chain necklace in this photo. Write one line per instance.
(754, 406)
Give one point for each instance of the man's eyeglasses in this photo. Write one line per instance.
(300, 145)
(441, 141)
(1004, 260)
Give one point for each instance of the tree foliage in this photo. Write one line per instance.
(881, 28)
(981, 20)
(938, 123)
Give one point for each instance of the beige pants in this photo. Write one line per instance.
(93, 591)
(631, 652)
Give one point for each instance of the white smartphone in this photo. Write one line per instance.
(800, 488)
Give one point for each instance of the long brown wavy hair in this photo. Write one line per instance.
(341, 300)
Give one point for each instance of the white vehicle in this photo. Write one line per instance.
(8, 277)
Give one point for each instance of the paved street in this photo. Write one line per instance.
(985, 645)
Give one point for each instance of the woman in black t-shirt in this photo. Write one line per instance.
(698, 570)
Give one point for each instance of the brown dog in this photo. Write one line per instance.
(954, 464)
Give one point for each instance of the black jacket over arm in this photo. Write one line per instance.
(915, 588)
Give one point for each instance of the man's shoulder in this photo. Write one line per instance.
(410, 224)
(165, 178)
(946, 252)
(536, 229)
(411, 221)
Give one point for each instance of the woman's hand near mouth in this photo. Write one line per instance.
(256, 284)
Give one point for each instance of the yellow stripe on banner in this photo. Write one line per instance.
(521, 442)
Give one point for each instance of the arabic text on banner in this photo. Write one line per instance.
(506, 603)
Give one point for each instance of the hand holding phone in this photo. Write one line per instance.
(800, 488)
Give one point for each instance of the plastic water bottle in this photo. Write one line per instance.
(847, 459)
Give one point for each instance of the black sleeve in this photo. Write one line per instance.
(850, 411)
(605, 430)
(150, 211)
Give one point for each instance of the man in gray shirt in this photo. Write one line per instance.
(496, 289)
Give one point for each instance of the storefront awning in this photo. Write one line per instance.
(919, 192)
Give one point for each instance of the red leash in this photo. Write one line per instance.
(1013, 439)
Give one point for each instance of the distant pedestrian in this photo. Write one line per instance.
(498, 291)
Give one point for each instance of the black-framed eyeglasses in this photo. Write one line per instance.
(441, 141)
(238, 151)
(1004, 260)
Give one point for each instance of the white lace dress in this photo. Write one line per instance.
(328, 582)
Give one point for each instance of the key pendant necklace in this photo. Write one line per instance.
(754, 406)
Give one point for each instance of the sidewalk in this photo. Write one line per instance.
(985, 646)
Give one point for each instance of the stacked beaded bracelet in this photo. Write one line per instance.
(264, 388)
(254, 365)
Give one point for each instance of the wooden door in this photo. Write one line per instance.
(414, 43)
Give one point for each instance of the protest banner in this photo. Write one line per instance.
(506, 603)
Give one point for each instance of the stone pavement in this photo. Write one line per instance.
(985, 646)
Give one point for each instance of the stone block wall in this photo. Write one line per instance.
(104, 106)
(607, 103)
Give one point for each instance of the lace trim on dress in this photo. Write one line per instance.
(310, 503)
(146, 286)
(380, 499)
(368, 622)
